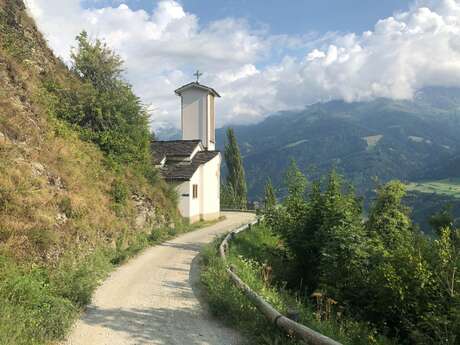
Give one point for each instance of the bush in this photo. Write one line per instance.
(76, 280)
(382, 271)
(65, 206)
(41, 238)
(30, 311)
(250, 252)
(119, 192)
(102, 105)
(157, 235)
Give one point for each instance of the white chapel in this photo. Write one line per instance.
(192, 164)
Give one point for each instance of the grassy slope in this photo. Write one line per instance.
(449, 187)
(61, 229)
(248, 253)
(431, 196)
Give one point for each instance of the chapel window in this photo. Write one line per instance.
(195, 191)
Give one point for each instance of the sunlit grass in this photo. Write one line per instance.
(449, 187)
(250, 252)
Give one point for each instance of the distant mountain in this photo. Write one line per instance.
(167, 133)
(387, 139)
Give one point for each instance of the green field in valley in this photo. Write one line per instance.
(449, 187)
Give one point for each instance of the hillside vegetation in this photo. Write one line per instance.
(76, 196)
(449, 187)
(373, 280)
(251, 254)
(381, 270)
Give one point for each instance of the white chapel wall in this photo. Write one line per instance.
(183, 189)
(195, 209)
(211, 189)
(207, 205)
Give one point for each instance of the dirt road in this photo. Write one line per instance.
(153, 299)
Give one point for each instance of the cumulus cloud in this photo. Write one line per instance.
(258, 73)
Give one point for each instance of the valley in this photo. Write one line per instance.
(448, 187)
(369, 143)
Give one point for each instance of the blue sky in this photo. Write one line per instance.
(289, 16)
(266, 56)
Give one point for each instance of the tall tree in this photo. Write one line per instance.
(236, 176)
(227, 196)
(442, 219)
(97, 63)
(389, 219)
(398, 278)
(103, 104)
(269, 195)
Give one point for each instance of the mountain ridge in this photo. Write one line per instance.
(412, 135)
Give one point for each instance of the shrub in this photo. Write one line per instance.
(383, 271)
(249, 257)
(5, 198)
(102, 105)
(119, 191)
(156, 235)
(30, 313)
(42, 238)
(76, 280)
(172, 231)
(65, 206)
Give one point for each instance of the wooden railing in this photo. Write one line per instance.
(224, 209)
(291, 327)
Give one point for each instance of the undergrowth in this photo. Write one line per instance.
(38, 304)
(250, 254)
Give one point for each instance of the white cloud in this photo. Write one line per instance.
(412, 49)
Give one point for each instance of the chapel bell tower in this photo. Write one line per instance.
(198, 119)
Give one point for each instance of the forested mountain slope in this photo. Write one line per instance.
(66, 208)
(408, 140)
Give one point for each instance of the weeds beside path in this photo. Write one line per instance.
(151, 298)
(251, 252)
(38, 304)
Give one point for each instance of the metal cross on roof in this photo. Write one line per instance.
(198, 74)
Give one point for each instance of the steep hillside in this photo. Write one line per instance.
(51, 180)
(65, 211)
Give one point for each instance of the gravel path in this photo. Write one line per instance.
(153, 299)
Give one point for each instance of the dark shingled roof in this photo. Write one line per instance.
(173, 148)
(198, 86)
(185, 171)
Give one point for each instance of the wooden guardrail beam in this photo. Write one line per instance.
(291, 327)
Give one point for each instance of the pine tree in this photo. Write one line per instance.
(269, 196)
(227, 196)
(236, 176)
(389, 219)
(296, 182)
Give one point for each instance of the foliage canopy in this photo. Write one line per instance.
(382, 270)
(102, 104)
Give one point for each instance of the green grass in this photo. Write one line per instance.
(38, 304)
(450, 187)
(372, 141)
(248, 252)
